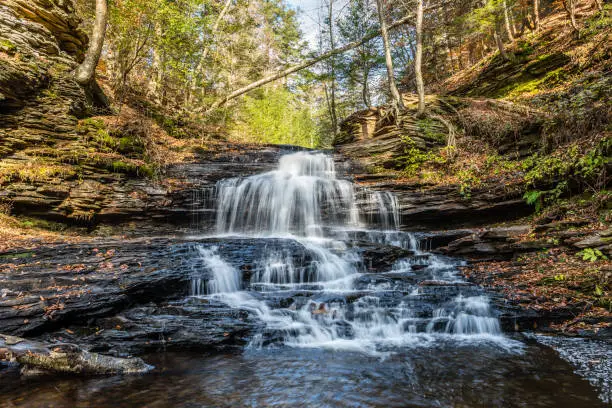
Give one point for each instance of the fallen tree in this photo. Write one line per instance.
(65, 358)
(307, 63)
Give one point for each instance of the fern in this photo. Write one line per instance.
(534, 197)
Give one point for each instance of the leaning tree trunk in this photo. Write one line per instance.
(85, 72)
(418, 59)
(308, 63)
(397, 98)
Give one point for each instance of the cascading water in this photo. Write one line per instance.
(324, 295)
(296, 199)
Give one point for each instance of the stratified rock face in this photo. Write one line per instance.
(40, 103)
(35, 36)
(48, 166)
(47, 28)
(378, 147)
(40, 43)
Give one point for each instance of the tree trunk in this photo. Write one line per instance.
(308, 63)
(515, 32)
(332, 69)
(397, 98)
(449, 51)
(66, 358)
(200, 67)
(536, 15)
(85, 72)
(507, 21)
(570, 8)
(365, 90)
(499, 41)
(418, 59)
(460, 52)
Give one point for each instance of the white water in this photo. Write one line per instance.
(336, 303)
(225, 278)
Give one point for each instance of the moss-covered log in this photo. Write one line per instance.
(65, 358)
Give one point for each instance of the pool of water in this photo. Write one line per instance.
(439, 375)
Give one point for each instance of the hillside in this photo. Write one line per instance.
(522, 142)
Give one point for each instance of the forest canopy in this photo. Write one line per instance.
(187, 55)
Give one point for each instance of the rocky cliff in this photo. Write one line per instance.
(58, 164)
(383, 150)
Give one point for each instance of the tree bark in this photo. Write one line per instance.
(202, 60)
(66, 358)
(507, 21)
(515, 32)
(365, 90)
(536, 15)
(395, 95)
(570, 8)
(308, 63)
(332, 69)
(418, 59)
(598, 4)
(85, 72)
(499, 41)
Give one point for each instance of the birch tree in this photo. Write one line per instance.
(395, 95)
(85, 72)
(418, 60)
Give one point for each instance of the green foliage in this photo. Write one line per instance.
(125, 167)
(534, 197)
(527, 84)
(130, 144)
(91, 123)
(583, 168)
(597, 23)
(413, 158)
(278, 117)
(103, 139)
(358, 66)
(429, 128)
(524, 47)
(468, 179)
(7, 46)
(591, 255)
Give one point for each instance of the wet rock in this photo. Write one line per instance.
(601, 240)
(381, 258)
(183, 324)
(129, 296)
(495, 244)
(434, 240)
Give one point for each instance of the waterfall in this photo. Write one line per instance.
(295, 198)
(331, 298)
(225, 278)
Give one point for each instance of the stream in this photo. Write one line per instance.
(341, 322)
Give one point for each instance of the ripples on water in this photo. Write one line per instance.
(446, 375)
